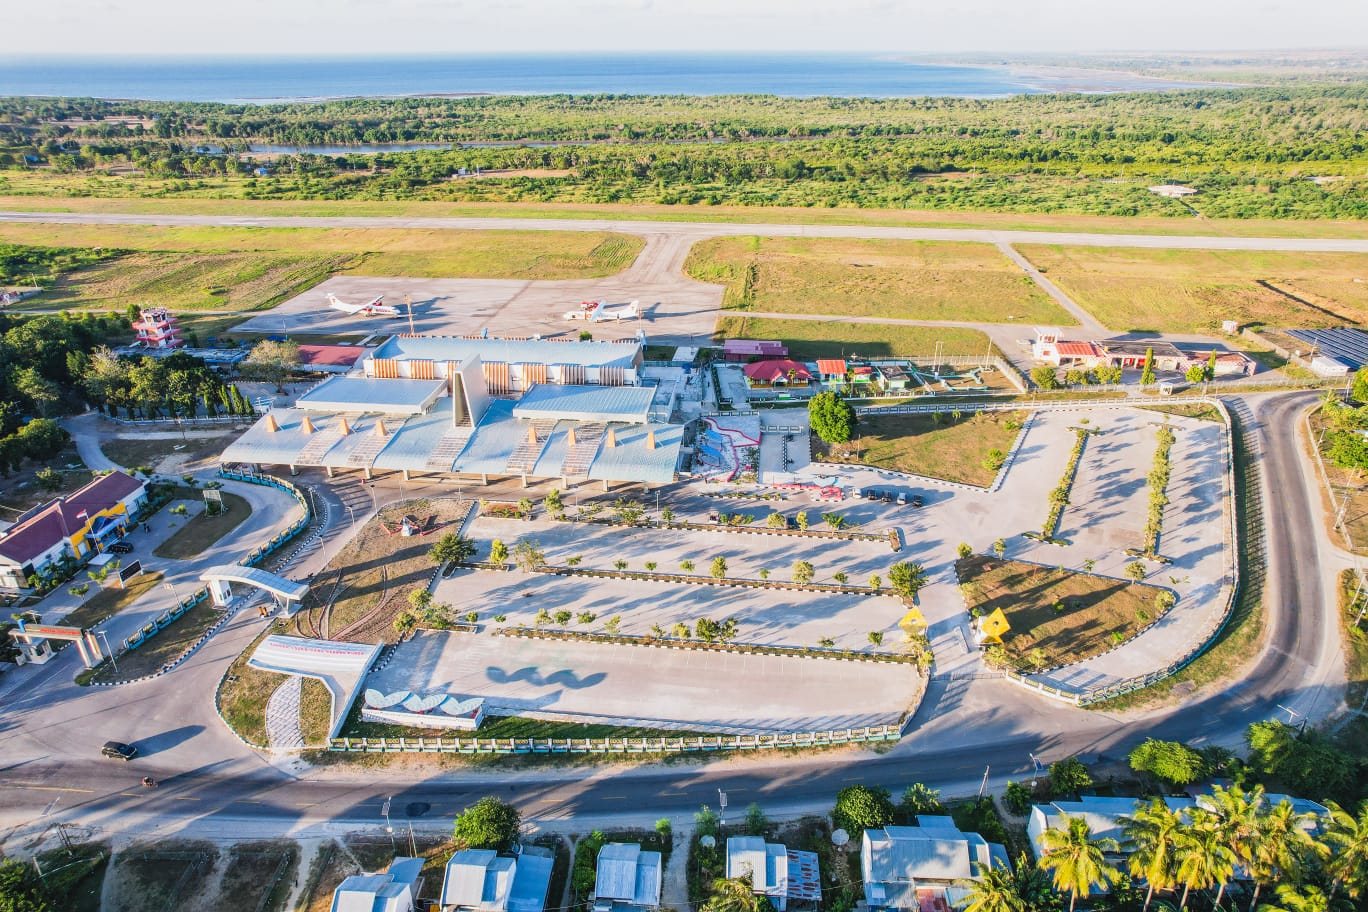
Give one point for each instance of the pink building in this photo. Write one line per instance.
(158, 328)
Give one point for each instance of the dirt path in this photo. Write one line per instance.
(674, 886)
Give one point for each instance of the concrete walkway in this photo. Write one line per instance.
(1086, 321)
(283, 731)
(674, 886)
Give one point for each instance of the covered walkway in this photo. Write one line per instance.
(287, 593)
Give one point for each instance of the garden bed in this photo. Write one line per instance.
(111, 600)
(1057, 617)
(944, 445)
(204, 530)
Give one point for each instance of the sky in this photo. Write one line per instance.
(350, 27)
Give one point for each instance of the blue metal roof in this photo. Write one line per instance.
(496, 437)
(412, 445)
(510, 351)
(633, 459)
(586, 403)
(365, 394)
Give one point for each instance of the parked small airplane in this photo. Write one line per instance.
(372, 308)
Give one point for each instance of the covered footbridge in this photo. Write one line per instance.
(287, 593)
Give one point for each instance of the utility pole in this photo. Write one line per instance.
(983, 786)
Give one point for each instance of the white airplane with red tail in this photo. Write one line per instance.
(372, 308)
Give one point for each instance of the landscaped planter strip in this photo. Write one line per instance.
(807, 652)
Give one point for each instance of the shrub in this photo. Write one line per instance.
(862, 807)
(802, 572)
(488, 824)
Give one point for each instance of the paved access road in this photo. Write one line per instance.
(699, 230)
(50, 775)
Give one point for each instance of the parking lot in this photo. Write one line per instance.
(767, 616)
(652, 687)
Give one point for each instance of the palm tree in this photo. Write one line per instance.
(1155, 832)
(1284, 842)
(1347, 838)
(733, 894)
(1204, 858)
(1076, 859)
(1239, 812)
(994, 890)
(1293, 898)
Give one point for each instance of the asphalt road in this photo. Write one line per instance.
(963, 726)
(699, 230)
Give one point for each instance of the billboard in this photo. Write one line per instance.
(132, 570)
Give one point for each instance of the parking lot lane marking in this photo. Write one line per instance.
(614, 797)
(672, 794)
(185, 797)
(129, 794)
(46, 788)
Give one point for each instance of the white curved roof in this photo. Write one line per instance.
(262, 579)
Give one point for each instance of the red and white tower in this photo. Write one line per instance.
(158, 328)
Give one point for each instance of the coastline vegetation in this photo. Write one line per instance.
(1249, 152)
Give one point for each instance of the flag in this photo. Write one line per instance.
(83, 516)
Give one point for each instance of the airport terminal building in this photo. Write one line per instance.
(482, 408)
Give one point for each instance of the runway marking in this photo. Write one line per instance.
(130, 794)
(614, 797)
(46, 788)
(185, 798)
(51, 804)
(672, 794)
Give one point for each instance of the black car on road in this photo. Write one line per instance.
(117, 750)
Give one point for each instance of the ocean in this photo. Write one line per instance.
(268, 80)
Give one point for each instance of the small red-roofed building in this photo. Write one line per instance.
(777, 372)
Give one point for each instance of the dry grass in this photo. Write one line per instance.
(1194, 290)
(203, 530)
(907, 280)
(166, 646)
(939, 446)
(336, 865)
(111, 600)
(809, 339)
(1067, 616)
(377, 571)
(21, 492)
(244, 691)
(43, 190)
(213, 268)
(166, 875)
(315, 711)
(132, 452)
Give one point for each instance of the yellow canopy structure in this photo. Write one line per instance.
(913, 621)
(993, 627)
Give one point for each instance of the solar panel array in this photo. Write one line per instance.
(1347, 345)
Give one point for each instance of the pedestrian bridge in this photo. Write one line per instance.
(287, 593)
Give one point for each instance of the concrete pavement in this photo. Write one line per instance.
(701, 230)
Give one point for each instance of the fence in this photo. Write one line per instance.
(1204, 641)
(257, 555)
(660, 745)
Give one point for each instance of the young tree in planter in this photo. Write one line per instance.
(452, 548)
(907, 578)
(629, 512)
(800, 519)
(563, 617)
(832, 418)
(841, 578)
(525, 507)
(1210, 372)
(552, 502)
(719, 567)
(498, 553)
(666, 515)
(528, 555)
(964, 550)
(1135, 570)
(488, 824)
(1147, 368)
(802, 572)
(1000, 548)
(875, 581)
(776, 521)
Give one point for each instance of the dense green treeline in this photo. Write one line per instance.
(1250, 151)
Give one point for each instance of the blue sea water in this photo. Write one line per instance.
(283, 79)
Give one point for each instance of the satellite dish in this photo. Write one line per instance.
(707, 842)
(839, 837)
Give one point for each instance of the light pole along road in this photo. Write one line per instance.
(961, 727)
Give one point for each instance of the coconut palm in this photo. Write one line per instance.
(1283, 845)
(1239, 812)
(1347, 838)
(1076, 860)
(1204, 859)
(733, 894)
(1155, 832)
(1293, 898)
(994, 890)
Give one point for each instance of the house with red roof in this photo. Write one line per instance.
(777, 372)
(81, 524)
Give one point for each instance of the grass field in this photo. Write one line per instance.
(203, 530)
(369, 580)
(809, 339)
(315, 711)
(111, 600)
(905, 280)
(1130, 289)
(1349, 485)
(1199, 410)
(40, 191)
(167, 646)
(1057, 616)
(134, 452)
(210, 268)
(21, 492)
(939, 445)
(243, 693)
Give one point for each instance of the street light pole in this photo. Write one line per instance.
(101, 635)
